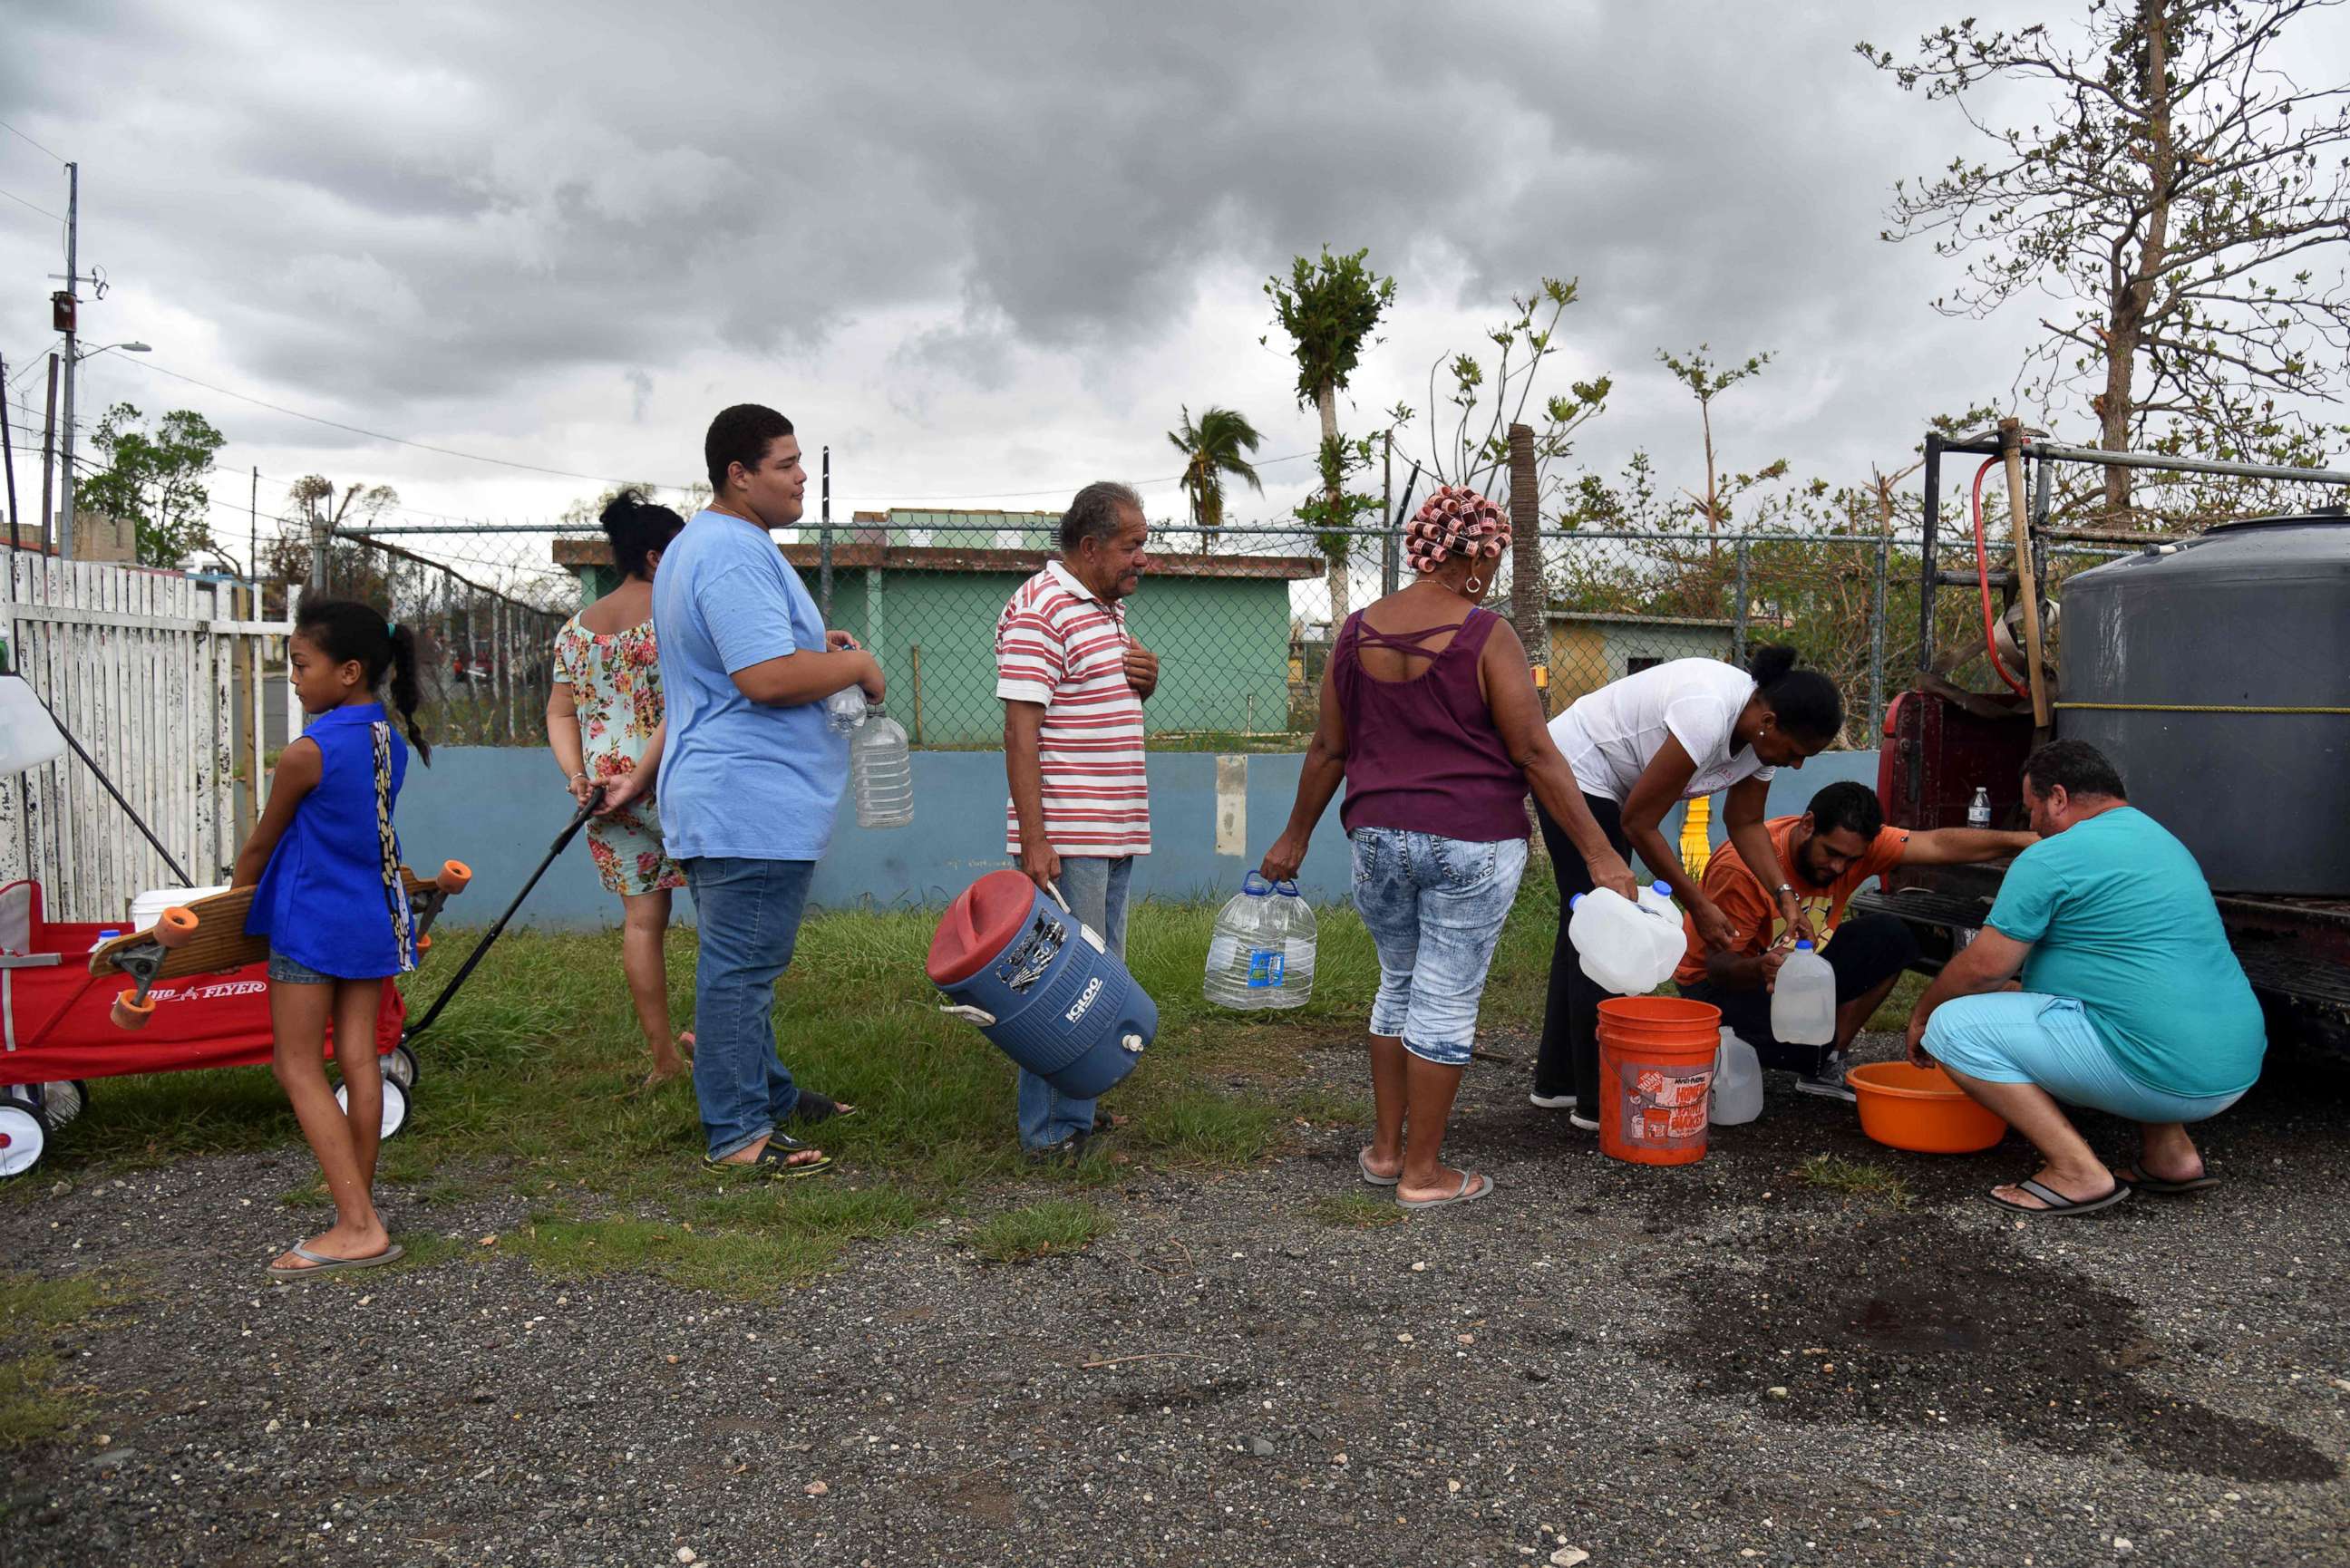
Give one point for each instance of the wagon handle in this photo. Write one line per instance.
(587, 808)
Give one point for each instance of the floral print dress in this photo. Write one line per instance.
(615, 680)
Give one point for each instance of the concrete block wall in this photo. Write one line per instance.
(499, 809)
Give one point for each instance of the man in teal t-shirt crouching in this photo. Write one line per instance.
(2131, 1000)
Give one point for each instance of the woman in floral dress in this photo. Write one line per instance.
(604, 723)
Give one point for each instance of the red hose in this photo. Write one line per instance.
(1982, 575)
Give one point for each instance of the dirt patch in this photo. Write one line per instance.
(1916, 1321)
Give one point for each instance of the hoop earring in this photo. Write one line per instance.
(1474, 586)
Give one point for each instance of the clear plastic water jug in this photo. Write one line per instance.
(1261, 953)
(881, 772)
(1626, 947)
(1737, 1092)
(845, 709)
(1803, 999)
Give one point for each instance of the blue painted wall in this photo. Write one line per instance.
(499, 809)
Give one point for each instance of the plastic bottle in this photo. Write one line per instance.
(882, 772)
(845, 709)
(1737, 1094)
(1627, 948)
(1261, 953)
(105, 937)
(1802, 1001)
(1979, 809)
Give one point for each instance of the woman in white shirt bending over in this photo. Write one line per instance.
(1672, 732)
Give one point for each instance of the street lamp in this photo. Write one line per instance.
(72, 358)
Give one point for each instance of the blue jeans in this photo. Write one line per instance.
(1096, 890)
(1434, 907)
(748, 913)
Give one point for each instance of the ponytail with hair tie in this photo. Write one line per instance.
(348, 630)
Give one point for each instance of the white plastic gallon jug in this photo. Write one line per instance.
(1627, 948)
(1737, 1093)
(28, 736)
(1802, 1001)
(1656, 898)
(1261, 953)
(882, 772)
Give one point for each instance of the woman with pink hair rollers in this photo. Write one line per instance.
(1430, 718)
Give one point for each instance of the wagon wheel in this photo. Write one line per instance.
(401, 1066)
(62, 1101)
(22, 1139)
(395, 1105)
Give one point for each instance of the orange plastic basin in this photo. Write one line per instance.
(1919, 1108)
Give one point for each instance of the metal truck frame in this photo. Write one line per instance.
(1940, 743)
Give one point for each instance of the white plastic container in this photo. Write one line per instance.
(881, 772)
(1626, 947)
(147, 907)
(844, 710)
(1737, 1091)
(1261, 954)
(1802, 1001)
(28, 736)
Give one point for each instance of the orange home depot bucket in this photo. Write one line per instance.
(1918, 1108)
(1655, 1068)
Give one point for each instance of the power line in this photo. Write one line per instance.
(25, 138)
(960, 496)
(22, 203)
(146, 364)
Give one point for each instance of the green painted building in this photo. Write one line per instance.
(922, 589)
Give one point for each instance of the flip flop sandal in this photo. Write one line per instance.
(2132, 1176)
(2060, 1205)
(1363, 1164)
(812, 1107)
(772, 1164)
(1471, 1190)
(324, 1263)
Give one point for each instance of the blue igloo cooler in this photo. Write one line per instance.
(1040, 985)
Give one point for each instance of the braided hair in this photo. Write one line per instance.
(1455, 521)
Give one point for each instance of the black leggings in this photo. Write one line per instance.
(1569, 1062)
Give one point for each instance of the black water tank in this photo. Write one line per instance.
(2246, 614)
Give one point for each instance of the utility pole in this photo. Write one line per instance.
(252, 538)
(67, 309)
(48, 455)
(8, 454)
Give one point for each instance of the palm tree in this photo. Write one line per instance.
(1211, 449)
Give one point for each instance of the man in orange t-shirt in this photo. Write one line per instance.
(1829, 852)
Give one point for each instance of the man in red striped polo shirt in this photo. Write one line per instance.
(1073, 683)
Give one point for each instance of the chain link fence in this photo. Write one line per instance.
(483, 612)
(1240, 617)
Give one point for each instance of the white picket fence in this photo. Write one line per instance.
(159, 677)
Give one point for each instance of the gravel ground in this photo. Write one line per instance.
(1717, 1364)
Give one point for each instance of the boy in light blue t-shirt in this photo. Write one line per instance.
(750, 777)
(2131, 1000)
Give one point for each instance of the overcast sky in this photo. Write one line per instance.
(985, 252)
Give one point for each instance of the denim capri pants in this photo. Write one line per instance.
(2024, 1037)
(1434, 907)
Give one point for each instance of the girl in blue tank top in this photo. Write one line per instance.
(332, 904)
